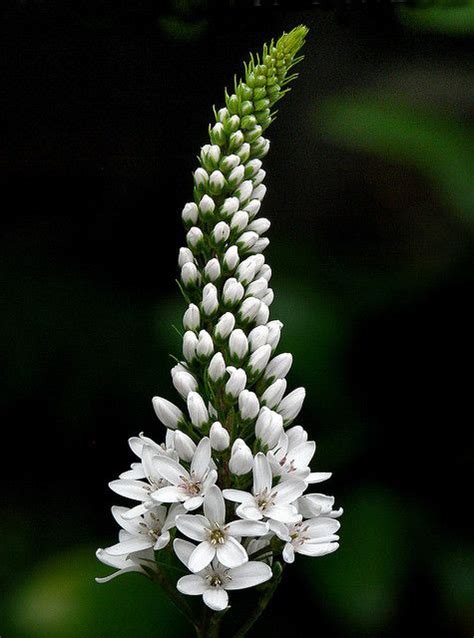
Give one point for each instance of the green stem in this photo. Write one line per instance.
(262, 602)
(174, 595)
(210, 626)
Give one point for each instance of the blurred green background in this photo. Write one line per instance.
(371, 199)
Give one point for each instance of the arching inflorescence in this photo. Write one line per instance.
(227, 492)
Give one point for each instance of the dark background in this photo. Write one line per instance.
(104, 106)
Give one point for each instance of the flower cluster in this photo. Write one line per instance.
(227, 490)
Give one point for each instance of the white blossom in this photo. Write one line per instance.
(249, 405)
(168, 413)
(238, 345)
(219, 437)
(290, 406)
(236, 383)
(241, 458)
(197, 409)
(191, 317)
(224, 326)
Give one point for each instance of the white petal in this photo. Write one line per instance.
(192, 525)
(247, 528)
(135, 490)
(183, 550)
(238, 496)
(201, 556)
(216, 598)
(283, 513)
(168, 494)
(170, 470)
(288, 553)
(262, 474)
(249, 511)
(193, 503)
(131, 526)
(191, 585)
(162, 541)
(303, 453)
(125, 570)
(318, 477)
(202, 458)
(248, 575)
(214, 506)
(136, 511)
(231, 553)
(288, 491)
(317, 549)
(322, 526)
(135, 544)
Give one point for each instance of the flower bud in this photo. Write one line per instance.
(246, 240)
(241, 458)
(190, 275)
(249, 309)
(260, 147)
(268, 297)
(190, 214)
(222, 114)
(263, 314)
(244, 191)
(238, 345)
(184, 382)
(201, 178)
(206, 206)
(212, 270)
(259, 192)
(291, 405)
(197, 410)
(260, 225)
(253, 207)
(236, 176)
(274, 393)
(274, 332)
(236, 140)
(239, 221)
(246, 271)
(205, 345)
(252, 167)
(258, 360)
(184, 446)
(268, 427)
(216, 182)
(265, 272)
(194, 238)
(216, 369)
(236, 382)
(244, 152)
(221, 233)
(210, 302)
(258, 288)
(229, 207)
(168, 413)
(260, 245)
(185, 256)
(220, 438)
(258, 337)
(191, 318)
(254, 133)
(231, 258)
(190, 342)
(248, 405)
(224, 326)
(217, 134)
(259, 177)
(232, 292)
(229, 162)
(232, 124)
(279, 366)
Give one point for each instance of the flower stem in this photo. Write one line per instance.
(179, 602)
(262, 602)
(210, 625)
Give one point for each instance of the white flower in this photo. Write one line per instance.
(186, 487)
(210, 302)
(221, 233)
(206, 206)
(213, 582)
(185, 255)
(217, 539)
(236, 176)
(169, 414)
(194, 237)
(190, 343)
(201, 178)
(205, 345)
(190, 275)
(269, 427)
(216, 181)
(249, 309)
(220, 438)
(274, 333)
(125, 564)
(311, 537)
(150, 531)
(290, 406)
(263, 314)
(212, 270)
(231, 258)
(239, 221)
(184, 446)
(260, 225)
(258, 360)
(258, 337)
(241, 458)
(265, 501)
(292, 455)
(244, 191)
(190, 213)
(258, 288)
(230, 206)
(232, 292)
(253, 207)
(311, 505)
(197, 409)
